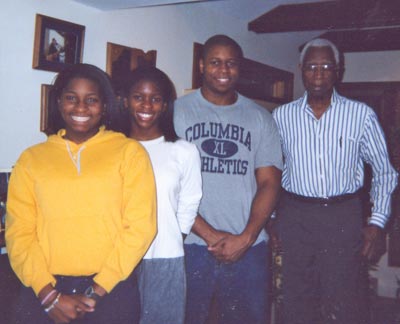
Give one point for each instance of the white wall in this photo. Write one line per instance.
(372, 66)
(171, 30)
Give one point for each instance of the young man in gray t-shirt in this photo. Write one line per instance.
(226, 253)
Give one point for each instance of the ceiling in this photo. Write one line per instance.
(353, 25)
(240, 9)
(126, 4)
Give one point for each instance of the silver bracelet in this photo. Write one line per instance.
(48, 296)
(53, 304)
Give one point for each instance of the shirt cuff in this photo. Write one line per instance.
(378, 220)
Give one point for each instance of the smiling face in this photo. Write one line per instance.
(319, 72)
(220, 69)
(81, 107)
(146, 105)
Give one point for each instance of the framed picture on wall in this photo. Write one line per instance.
(45, 122)
(57, 43)
(4, 178)
(121, 60)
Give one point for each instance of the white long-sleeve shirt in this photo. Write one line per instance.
(177, 172)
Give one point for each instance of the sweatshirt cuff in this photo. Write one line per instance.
(39, 284)
(107, 279)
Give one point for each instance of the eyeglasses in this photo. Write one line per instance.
(327, 67)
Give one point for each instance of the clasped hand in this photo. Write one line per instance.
(71, 307)
(229, 248)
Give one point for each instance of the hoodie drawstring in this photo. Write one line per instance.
(76, 160)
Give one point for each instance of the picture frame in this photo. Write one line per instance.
(45, 122)
(58, 43)
(121, 60)
(197, 78)
(4, 179)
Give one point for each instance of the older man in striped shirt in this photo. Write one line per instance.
(326, 138)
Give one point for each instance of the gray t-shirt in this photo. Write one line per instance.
(233, 142)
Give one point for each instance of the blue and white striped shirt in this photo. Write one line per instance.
(324, 157)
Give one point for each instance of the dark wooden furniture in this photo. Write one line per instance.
(353, 25)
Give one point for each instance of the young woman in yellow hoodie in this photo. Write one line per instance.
(81, 210)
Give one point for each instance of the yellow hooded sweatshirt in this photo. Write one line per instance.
(78, 210)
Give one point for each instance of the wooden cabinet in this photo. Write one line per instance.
(264, 82)
(257, 80)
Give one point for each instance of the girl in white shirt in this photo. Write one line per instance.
(149, 99)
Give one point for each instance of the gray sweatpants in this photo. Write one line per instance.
(162, 288)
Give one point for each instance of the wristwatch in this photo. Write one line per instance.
(90, 293)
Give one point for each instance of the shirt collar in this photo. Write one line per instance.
(335, 100)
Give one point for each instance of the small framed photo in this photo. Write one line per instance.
(121, 60)
(45, 122)
(57, 43)
(4, 178)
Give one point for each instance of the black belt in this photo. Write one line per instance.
(323, 201)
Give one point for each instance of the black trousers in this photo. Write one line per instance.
(121, 306)
(321, 262)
